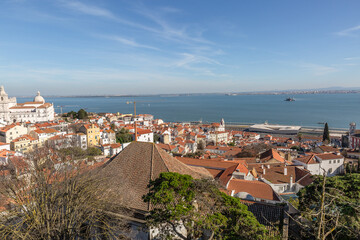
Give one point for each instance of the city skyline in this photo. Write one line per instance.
(142, 47)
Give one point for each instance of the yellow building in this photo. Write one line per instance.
(24, 144)
(92, 132)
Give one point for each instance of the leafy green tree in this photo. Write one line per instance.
(156, 138)
(232, 144)
(93, 151)
(297, 148)
(82, 114)
(299, 135)
(74, 152)
(326, 134)
(123, 136)
(201, 208)
(331, 206)
(72, 114)
(201, 145)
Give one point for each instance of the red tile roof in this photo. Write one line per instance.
(256, 189)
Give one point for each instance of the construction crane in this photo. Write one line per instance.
(63, 106)
(134, 102)
(61, 109)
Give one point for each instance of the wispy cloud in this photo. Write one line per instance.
(129, 42)
(188, 58)
(199, 65)
(319, 70)
(89, 9)
(104, 13)
(168, 31)
(349, 31)
(351, 58)
(170, 10)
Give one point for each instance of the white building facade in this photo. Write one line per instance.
(36, 111)
(331, 164)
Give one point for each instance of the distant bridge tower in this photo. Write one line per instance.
(352, 128)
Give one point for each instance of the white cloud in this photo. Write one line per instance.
(129, 42)
(351, 58)
(167, 31)
(102, 12)
(89, 9)
(193, 59)
(349, 31)
(319, 70)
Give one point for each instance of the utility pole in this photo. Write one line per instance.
(134, 102)
(216, 141)
(135, 121)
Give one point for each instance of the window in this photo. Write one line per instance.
(338, 161)
(330, 162)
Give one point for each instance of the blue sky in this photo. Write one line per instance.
(64, 47)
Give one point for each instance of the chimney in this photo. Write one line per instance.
(291, 182)
(232, 192)
(262, 166)
(285, 170)
(264, 171)
(268, 166)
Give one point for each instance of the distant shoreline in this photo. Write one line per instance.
(295, 92)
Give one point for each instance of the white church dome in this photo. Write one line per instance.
(39, 98)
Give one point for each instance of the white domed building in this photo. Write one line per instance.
(36, 111)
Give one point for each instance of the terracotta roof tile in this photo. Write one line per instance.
(256, 189)
(132, 169)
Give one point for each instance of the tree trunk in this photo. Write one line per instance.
(322, 213)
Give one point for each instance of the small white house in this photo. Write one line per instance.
(331, 163)
(144, 135)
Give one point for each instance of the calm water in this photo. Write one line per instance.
(308, 110)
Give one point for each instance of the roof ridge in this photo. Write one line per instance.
(249, 181)
(161, 157)
(151, 168)
(303, 177)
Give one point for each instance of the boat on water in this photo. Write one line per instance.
(289, 99)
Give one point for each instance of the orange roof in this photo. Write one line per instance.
(31, 103)
(307, 159)
(24, 138)
(21, 107)
(143, 131)
(50, 130)
(256, 189)
(5, 153)
(8, 127)
(45, 105)
(272, 154)
(329, 156)
(115, 145)
(166, 147)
